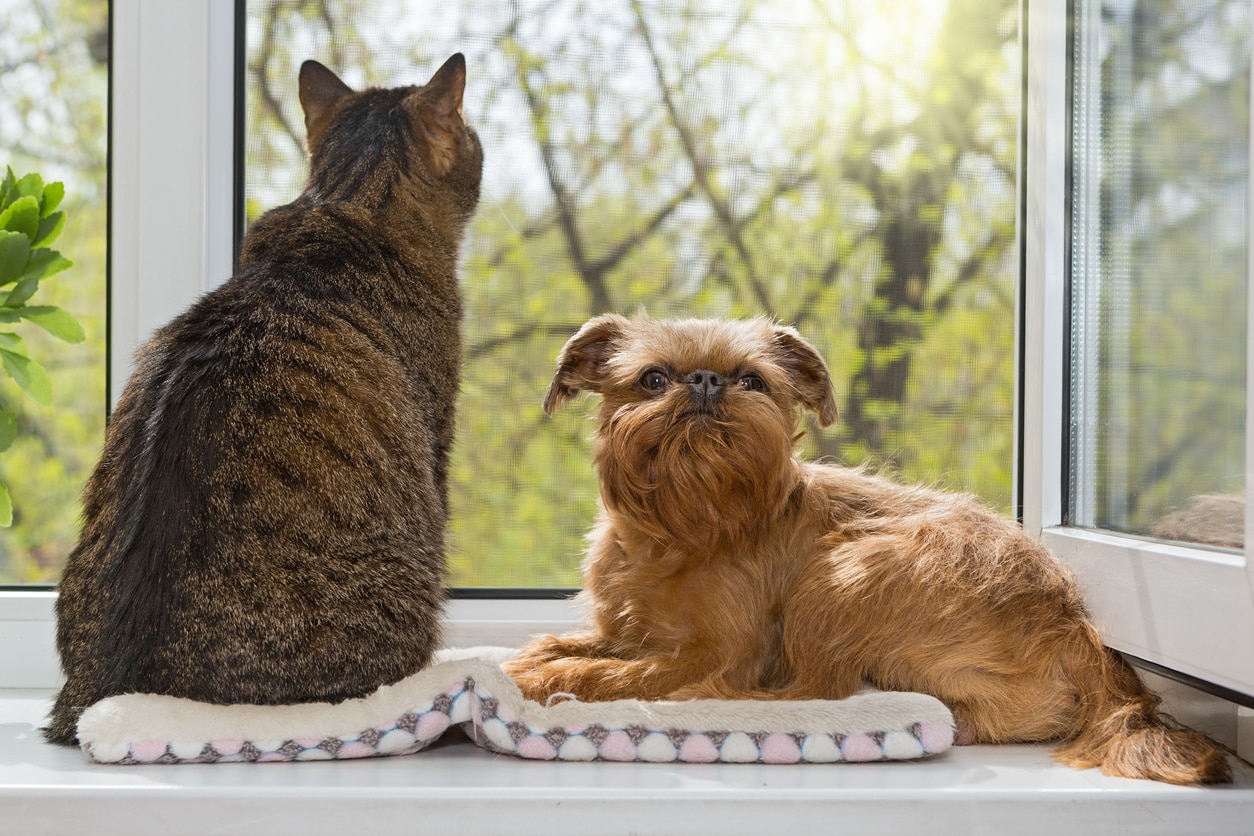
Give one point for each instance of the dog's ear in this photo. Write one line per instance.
(319, 89)
(581, 362)
(809, 374)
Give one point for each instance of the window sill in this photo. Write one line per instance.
(457, 787)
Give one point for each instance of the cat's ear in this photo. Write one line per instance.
(320, 90)
(438, 108)
(581, 362)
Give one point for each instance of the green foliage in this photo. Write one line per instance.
(29, 223)
(54, 95)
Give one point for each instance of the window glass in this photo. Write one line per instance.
(846, 166)
(1159, 266)
(54, 57)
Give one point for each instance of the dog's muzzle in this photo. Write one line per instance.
(705, 388)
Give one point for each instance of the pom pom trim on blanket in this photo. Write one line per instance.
(467, 688)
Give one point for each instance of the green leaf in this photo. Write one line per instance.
(6, 186)
(22, 216)
(13, 344)
(57, 322)
(8, 429)
(49, 228)
(10, 317)
(32, 185)
(25, 289)
(53, 193)
(45, 263)
(14, 255)
(6, 507)
(29, 375)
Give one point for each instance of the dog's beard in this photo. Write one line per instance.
(697, 476)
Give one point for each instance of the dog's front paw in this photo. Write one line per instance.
(697, 691)
(541, 649)
(717, 689)
(533, 684)
(543, 665)
(539, 681)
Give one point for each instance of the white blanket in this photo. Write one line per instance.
(467, 688)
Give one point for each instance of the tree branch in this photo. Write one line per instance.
(616, 254)
(701, 169)
(260, 68)
(522, 334)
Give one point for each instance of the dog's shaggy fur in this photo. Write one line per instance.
(723, 566)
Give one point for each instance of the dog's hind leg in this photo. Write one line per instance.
(989, 707)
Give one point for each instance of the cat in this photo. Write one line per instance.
(266, 522)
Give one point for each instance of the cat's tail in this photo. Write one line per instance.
(62, 725)
(1122, 732)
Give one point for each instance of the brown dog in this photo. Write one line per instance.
(723, 566)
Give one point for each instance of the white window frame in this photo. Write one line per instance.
(1190, 610)
(172, 165)
(172, 239)
(172, 216)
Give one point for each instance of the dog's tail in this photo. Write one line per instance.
(1122, 731)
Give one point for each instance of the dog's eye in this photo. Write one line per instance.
(653, 380)
(752, 382)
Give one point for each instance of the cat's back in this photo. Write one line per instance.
(266, 522)
(270, 459)
(279, 374)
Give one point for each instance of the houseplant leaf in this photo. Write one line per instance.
(32, 185)
(50, 227)
(7, 187)
(22, 216)
(25, 289)
(53, 193)
(56, 321)
(29, 375)
(14, 255)
(45, 263)
(13, 343)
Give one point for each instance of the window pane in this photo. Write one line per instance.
(53, 122)
(845, 166)
(1161, 166)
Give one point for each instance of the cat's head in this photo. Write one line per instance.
(363, 142)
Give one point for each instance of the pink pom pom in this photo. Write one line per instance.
(356, 749)
(935, 737)
(860, 747)
(227, 747)
(780, 748)
(147, 751)
(697, 748)
(431, 725)
(617, 746)
(536, 748)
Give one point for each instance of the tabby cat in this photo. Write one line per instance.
(266, 523)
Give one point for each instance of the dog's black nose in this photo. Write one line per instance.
(706, 384)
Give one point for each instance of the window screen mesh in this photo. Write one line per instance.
(846, 167)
